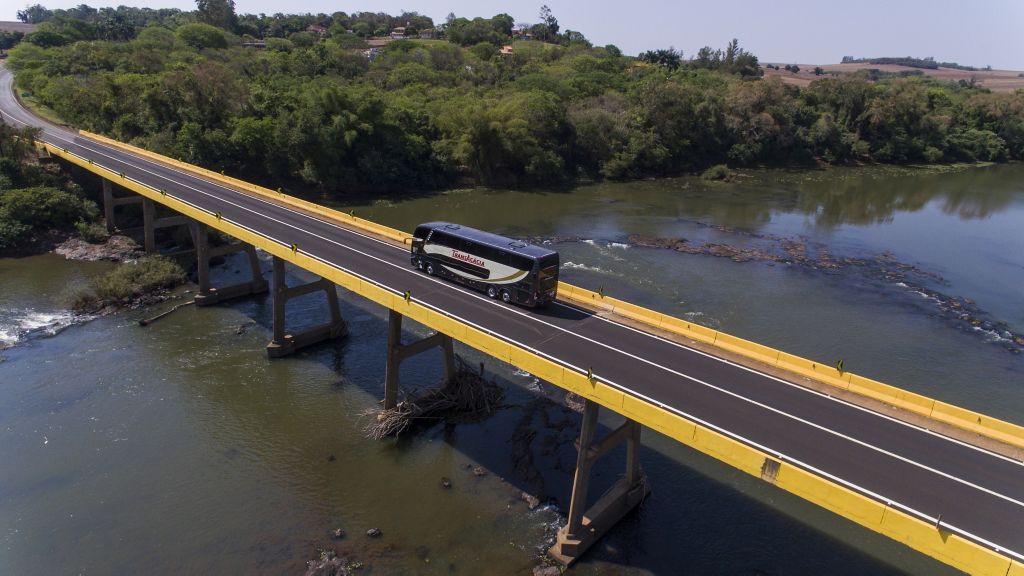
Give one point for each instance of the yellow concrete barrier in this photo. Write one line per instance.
(747, 348)
(1009, 433)
(266, 193)
(893, 523)
(975, 422)
(542, 368)
(688, 329)
(891, 395)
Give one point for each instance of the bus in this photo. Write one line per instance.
(513, 271)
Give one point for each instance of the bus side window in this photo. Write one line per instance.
(522, 262)
(487, 253)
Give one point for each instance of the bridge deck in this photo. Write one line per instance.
(905, 469)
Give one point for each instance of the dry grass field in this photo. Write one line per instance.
(995, 80)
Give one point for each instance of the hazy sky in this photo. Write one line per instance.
(979, 33)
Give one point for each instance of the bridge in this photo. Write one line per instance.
(943, 480)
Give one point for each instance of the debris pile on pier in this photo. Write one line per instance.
(468, 395)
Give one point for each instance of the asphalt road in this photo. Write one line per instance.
(978, 494)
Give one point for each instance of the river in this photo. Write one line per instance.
(180, 448)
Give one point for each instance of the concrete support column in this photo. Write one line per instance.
(204, 252)
(201, 240)
(581, 480)
(394, 360)
(110, 201)
(150, 223)
(108, 206)
(585, 526)
(285, 343)
(148, 230)
(398, 352)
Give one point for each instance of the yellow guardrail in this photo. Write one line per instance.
(962, 418)
(266, 193)
(968, 420)
(892, 522)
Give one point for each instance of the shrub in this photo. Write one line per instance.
(201, 36)
(302, 39)
(92, 232)
(129, 280)
(279, 45)
(13, 233)
(716, 172)
(25, 211)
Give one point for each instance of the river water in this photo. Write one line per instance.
(180, 448)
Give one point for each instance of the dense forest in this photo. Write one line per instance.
(302, 101)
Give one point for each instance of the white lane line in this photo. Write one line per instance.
(796, 386)
(579, 369)
(593, 341)
(651, 363)
(793, 385)
(587, 312)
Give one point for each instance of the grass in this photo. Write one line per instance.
(40, 109)
(130, 280)
(92, 232)
(716, 172)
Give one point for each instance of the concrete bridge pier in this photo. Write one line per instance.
(284, 343)
(150, 223)
(584, 528)
(204, 252)
(110, 201)
(398, 352)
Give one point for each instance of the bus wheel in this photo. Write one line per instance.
(506, 297)
(419, 264)
(430, 268)
(492, 291)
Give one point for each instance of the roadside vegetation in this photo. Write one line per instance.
(304, 102)
(36, 199)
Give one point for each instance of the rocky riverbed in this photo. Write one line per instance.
(799, 252)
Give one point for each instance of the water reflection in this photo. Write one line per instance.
(829, 198)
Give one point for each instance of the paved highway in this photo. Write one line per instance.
(978, 494)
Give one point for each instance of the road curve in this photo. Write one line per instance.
(978, 494)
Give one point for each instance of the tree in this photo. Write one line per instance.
(9, 39)
(549, 19)
(202, 36)
(34, 14)
(46, 39)
(669, 58)
(219, 13)
(819, 71)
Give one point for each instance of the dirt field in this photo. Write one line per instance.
(995, 80)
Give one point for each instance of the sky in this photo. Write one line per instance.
(978, 33)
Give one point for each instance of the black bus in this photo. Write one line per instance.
(514, 271)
